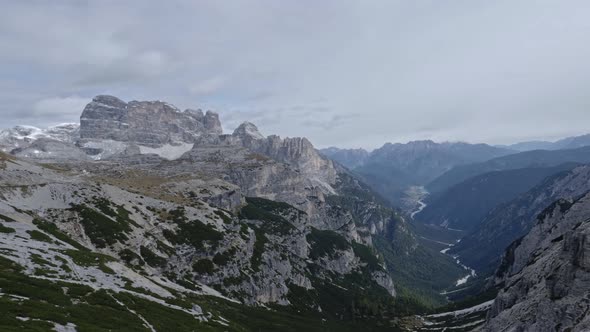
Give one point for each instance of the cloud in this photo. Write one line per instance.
(348, 73)
(59, 107)
(208, 86)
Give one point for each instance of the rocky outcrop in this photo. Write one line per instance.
(151, 123)
(545, 276)
(297, 151)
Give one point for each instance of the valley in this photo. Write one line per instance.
(285, 166)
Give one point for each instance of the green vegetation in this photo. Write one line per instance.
(46, 303)
(87, 258)
(50, 302)
(64, 264)
(53, 230)
(38, 260)
(164, 248)
(268, 211)
(39, 236)
(421, 274)
(193, 232)
(4, 229)
(367, 256)
(222, 259)
(101, 229)
(325, 243)
(352, 298)
(6, 219)
(151, 258)
(131, 258)
(223, 216)
(121, 214)
(261, 240)
(203, 266)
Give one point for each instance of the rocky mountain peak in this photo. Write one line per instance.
(197, 114)
(212, 123)
(109, 101)
(151, 123)
(248, 130)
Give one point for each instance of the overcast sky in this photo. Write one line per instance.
(343, 73)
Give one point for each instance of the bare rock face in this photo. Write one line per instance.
(151, 123)
(296, 151)
(545, 276)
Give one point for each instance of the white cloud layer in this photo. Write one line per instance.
(346, 73)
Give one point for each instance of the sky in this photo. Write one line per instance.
(342, 73)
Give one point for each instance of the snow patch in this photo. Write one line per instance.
(168, 151)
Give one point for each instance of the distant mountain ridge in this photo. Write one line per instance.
(394, 167)
(536, 158)
(565, 143)
(350, 158)
(482, 249)
(464, 206)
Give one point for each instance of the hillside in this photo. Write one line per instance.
(465, 205)
(529, 159)
(544, 276)
(483, 248)
(393, 168)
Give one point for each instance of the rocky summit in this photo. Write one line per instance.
(151, 123)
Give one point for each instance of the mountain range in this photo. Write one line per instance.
(464, 205)
(562, 144)
(528, 159)
(144, 217)
(391, 169)
(156, 213)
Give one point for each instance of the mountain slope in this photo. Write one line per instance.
(23, 136)
(236, 220)
(350, 158)
(538, 158)
(483, 248)
(464, 205)
(267, 253)
(394, 167)
(545, 276)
